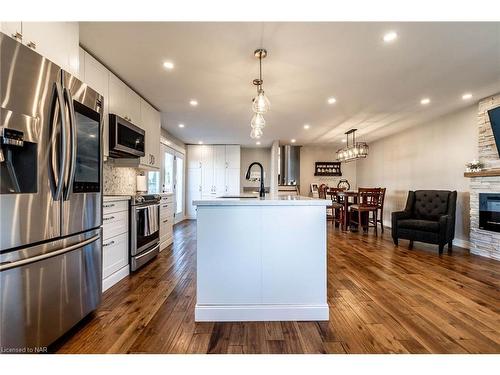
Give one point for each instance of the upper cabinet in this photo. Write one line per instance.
(151, 123)
(57, 41)
(123, 101)
(94, 74)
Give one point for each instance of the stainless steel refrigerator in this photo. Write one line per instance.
(50, 199)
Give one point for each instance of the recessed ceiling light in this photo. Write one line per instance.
(257, 143)
(193, 102)
(168, 65)
(307, 126)
(293, 141)
(331, 100)
(391, 36)
(181, 125)
(344, 141)
(200, 142)
(467, 96)
(425, 101)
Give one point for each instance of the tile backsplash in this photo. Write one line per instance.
(119, 181)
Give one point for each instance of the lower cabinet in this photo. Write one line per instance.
(166, 220)
(115, 243)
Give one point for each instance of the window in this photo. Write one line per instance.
(153, 182)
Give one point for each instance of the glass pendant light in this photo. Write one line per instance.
(256, 133)
(258, 121)
(261, 103)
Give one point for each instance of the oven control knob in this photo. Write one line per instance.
(139, 199)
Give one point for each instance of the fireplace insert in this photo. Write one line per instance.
(489, 211)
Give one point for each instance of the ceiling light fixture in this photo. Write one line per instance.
(181, 125)
(467, 96)
(168, 65)
(293, 141)
(353, 151)
(391, 36)
(200, 142)
(193, 102)
(331, 100)
(260, 104)
(257, 143)
(307, 126)
(425, 101)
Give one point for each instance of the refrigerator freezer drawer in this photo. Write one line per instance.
(43, 297)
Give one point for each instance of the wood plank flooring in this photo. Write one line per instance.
(382, 299)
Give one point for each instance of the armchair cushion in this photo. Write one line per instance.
(430, 204)
(416, 224)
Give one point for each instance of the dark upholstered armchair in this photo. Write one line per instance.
(429, 217)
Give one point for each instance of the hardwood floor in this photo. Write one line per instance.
(382, 299)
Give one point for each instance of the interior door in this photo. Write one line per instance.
(82, 198)
(179, 187)
(30, 172)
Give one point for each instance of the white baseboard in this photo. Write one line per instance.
(252, 313)
(112, 279)
(462, 243)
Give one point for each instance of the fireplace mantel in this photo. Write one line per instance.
(486, 173)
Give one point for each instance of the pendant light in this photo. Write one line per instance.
(260, 103)
(353, 151)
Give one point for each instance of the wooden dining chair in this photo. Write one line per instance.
(337, 206)
(368, 201)
(381, 209)
(322, 194)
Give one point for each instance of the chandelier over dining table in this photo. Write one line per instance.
(260, 104)
(354, 150)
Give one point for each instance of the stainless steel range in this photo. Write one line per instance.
(144, 229)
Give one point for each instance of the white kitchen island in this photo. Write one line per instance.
(261, 259)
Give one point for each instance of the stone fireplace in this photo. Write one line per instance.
(485, 242)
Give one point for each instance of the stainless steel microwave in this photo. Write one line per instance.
(125, 139)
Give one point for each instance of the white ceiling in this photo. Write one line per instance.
(378, 86)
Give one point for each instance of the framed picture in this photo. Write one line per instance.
(314, 187)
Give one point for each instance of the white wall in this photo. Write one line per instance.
(309, 155)
(249, 155)
(427, 156)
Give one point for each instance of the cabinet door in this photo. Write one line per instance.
(134, 107)
(117, 96)
(207, 170)
(58, 41)
(151, 125)
(219, 152)
(114, 254)
(96, 76)
(233, 156)
(193, 190)
(194, 156)
(232, 181)
(81, 67)
(220, 181)
(11, 28)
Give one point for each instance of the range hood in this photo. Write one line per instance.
(289, 165)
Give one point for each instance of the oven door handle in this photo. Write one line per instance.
(147, 252)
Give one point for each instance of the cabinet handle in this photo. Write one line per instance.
(18, 36)
(226, 164)
(200, 164)
(165, 205)
(108, 205)
(165, 220)
(31, 45)
(108, 243)
(200, 188)
(108, 218)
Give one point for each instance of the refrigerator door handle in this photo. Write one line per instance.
(18, 263)
(72, 124)
(59, 100)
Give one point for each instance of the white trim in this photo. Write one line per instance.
(462, 243)
(249, 313)
(167, 142)
(112, 279)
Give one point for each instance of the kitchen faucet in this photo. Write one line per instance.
(262, 191)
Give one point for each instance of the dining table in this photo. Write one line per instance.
(348, 197)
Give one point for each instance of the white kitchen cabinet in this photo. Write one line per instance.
(57, 41)
(151, 123)
(233, 156)
(96, 76)
(123, 101)
(115, 243)
(166, 220)
(213, 171)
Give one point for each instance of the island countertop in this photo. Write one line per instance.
(269, 200)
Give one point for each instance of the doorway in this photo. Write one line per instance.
(172, 178)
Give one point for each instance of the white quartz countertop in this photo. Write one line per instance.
(269, 200)
(115, 198)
